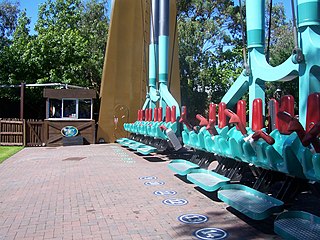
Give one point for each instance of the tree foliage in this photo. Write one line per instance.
(8, 20)
(210, 42)
(281, 46)
(67, 45)
(209, 53)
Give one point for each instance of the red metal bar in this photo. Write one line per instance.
(139, 115)
(257, 116)
(241, 112)
(142, 115)
(183, 118)
(173, 114)
(234, 119)
(155, 114)
(313, 111)
(168, 114)
(202, 119)
(265, 136)
(160, 114)
(212, 112)
(222, 118)
(273, 109)
(151, 113)
(286, 105)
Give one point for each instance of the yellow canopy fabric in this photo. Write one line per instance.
(125, 71)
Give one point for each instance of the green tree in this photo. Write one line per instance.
(209, 52)
(281, 46)
(68, 46)
(9, 11)
(94, 27)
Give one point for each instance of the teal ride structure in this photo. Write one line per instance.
(260, 169)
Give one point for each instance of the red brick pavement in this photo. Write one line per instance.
(94, 192)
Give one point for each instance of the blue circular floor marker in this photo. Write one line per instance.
(163, 193)
(154, 183)
(192, 218)
(148, 178)
(175, 202)
(210, 233)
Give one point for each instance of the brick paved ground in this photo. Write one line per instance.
(94, 192)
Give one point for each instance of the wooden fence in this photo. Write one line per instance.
(17, 132)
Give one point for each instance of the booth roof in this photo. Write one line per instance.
(69, 93)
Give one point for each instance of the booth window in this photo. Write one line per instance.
(84, 108)
(55, 108)
(70, 108)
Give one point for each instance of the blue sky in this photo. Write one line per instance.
(31, 7)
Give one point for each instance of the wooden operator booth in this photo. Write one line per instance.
(69, 117)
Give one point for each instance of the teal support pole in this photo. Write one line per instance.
(255, 24)
(256, 39)
(153, 94)
(163, 59)
(308, 13)
(303, 63)
(166, 99)
(260, 70)
(309, 72)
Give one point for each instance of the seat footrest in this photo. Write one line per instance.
(297, 225)
(207, 180)
(136, 145)
(122, 140)
(182, 167)
(146, 150)
(250, 202)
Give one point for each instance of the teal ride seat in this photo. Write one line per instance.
(211, 142)
(297, 225)
(156, 131)
(274, 152)
(316, 165)
(307, 162)
(292, 155)
(206, 179)
(262, 159)
(255, 152)
(226, 147)
(197, 139)
(235, 144)
(250, 202)
(185, 136)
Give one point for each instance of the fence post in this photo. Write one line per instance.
(0, 132)
(24, 132)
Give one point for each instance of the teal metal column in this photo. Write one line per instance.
(308, 13)
(163, 41)
(309, 71)
(153, 95)
(260, 70)
(255, 12)
(166, 99)
(255, 23)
